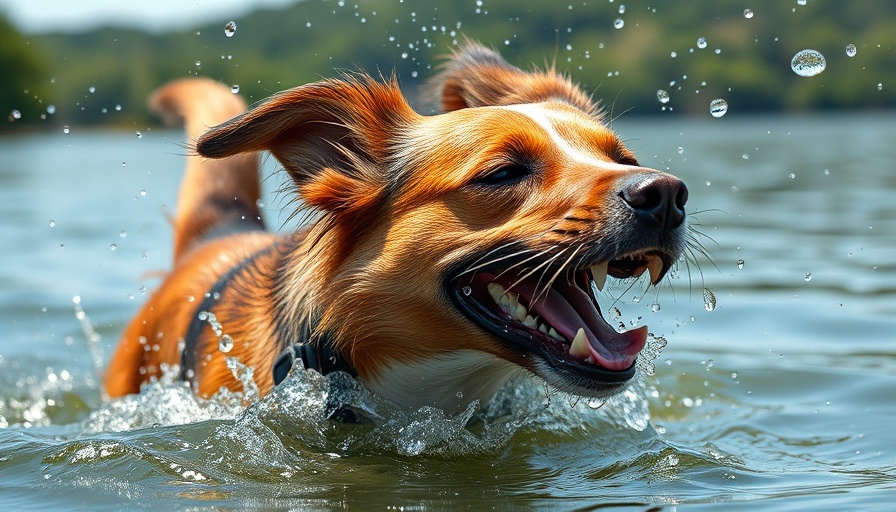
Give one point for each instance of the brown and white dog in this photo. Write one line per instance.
(450, 252)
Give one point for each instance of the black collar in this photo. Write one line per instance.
(313, 349)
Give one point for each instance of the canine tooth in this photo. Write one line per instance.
(496, 291)
(543, 329)
(556, 335)
(519, 312)
(530, 322)
(579, 347)
(655, 266)
(599, 274)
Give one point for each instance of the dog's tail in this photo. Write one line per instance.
(216, 196)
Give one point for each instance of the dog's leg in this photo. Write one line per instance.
(216, 196)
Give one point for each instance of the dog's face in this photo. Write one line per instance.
(473, 241)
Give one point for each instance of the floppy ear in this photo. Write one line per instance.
(476, 76)
(331, 136)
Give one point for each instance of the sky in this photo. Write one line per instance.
(35, 16)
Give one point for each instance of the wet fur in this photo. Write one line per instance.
(397, 213)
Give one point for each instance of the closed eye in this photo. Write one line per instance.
(505, 175)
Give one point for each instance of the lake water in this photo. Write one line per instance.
(780, 398)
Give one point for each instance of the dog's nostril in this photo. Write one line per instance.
(660, 197)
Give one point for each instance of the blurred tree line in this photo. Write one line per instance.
(624, 50)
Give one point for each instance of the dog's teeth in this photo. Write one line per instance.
(530, 322)
(599, 274)
(556, 335)
(543, 328)
(579, 347)
(496, 291)
(655, 266)
(519, 312)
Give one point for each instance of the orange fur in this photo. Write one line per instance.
(406, 203)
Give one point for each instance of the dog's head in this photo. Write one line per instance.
(469, 242)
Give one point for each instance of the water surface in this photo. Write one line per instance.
(780, 398)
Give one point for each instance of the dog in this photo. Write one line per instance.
(449, 252)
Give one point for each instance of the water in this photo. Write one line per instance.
(780, 398)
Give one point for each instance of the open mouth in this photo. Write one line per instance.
(559, 319)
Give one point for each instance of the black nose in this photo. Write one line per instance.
(660, 197)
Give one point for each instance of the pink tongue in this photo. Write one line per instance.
(573, 309)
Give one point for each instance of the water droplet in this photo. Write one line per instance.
(680, 150)
(808, 63)
(791, 175)
(52, 224)
(51, 109)
(230, 28)
(701, 43)
(139, 135)
(123, 234)
(880, 86)
(65, 129)
(621, 9)
(663, 96)
(225, 343)
(76, 299)
(15, 115)
(92, 89)
(850, 50)
(748, 13)
(235, 89)
(112, 247)
(596, 403)
(718, 107)
(117, 107)
(801, 2)
(467, 290)
(619, 23)
(808, 276)
(740, 263)
(709, 299)
(655, 307)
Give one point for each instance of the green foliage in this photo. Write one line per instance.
(23, 96)
(746, 61)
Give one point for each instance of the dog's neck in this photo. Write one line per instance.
(449, 382)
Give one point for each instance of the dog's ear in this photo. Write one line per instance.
(476, 76)
(331, 136)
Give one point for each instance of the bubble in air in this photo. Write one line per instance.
(851, 50)
(808, 63)
(709, 300)
(718, 107)
(619, 23)
(663, 96)
(230, 28)
(748, 13)
(225, 343)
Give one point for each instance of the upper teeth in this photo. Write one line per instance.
(599, 274)
(655, 267)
